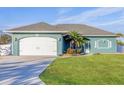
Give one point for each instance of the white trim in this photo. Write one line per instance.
(37, 31)
(12, 46)
(87, 50)
(98, 35)
(50, 32)
(108, 43)
(95, 44)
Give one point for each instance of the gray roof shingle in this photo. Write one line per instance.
(81, 28)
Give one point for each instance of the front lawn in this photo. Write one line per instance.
(94, 69)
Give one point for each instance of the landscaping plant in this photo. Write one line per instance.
(78, 40)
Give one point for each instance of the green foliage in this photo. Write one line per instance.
(78, 39)
(120, 35)
(5, 39)
(119, 42)
(94, 69)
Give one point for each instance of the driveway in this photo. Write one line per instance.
(22, 70)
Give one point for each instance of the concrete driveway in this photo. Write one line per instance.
(22, 70)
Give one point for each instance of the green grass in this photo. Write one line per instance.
(94, 70)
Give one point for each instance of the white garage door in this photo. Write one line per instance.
(38, 46)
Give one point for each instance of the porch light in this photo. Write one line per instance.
(16, 39)
(59, 39)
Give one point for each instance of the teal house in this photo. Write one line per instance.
(45, 39)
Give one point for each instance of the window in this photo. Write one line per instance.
(103, 44)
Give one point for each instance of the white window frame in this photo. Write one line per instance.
(99, 47)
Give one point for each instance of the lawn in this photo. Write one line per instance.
(86, 70)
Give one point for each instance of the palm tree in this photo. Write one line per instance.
(77, 39)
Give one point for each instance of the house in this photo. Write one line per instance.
(45, 39)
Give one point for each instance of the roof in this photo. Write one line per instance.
(80, 28)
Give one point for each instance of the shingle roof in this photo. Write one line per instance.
(81, 28)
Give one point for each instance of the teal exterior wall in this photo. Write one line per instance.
(62, 46)
(100, 47)
(99, 44)
(17, 36)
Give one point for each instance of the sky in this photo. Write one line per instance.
(110, 19)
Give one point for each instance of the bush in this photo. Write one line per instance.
(119, 42)
(5, 39)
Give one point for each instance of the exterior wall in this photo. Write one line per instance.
(17, 36)
(94, 48)
(90, 46)
(62, 45)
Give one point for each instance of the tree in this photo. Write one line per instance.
(5, 39)
(77, 39)
(119, 42)
(119, 35)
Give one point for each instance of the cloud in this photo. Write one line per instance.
(110, 19)
(86, 16)
(118, 19)
(114, 22)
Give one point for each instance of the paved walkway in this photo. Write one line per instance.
(22, 70)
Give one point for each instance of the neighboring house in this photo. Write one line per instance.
(120, 49)
(46, 39)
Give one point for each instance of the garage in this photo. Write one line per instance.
(38, 46)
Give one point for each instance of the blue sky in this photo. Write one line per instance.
(111, 19)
